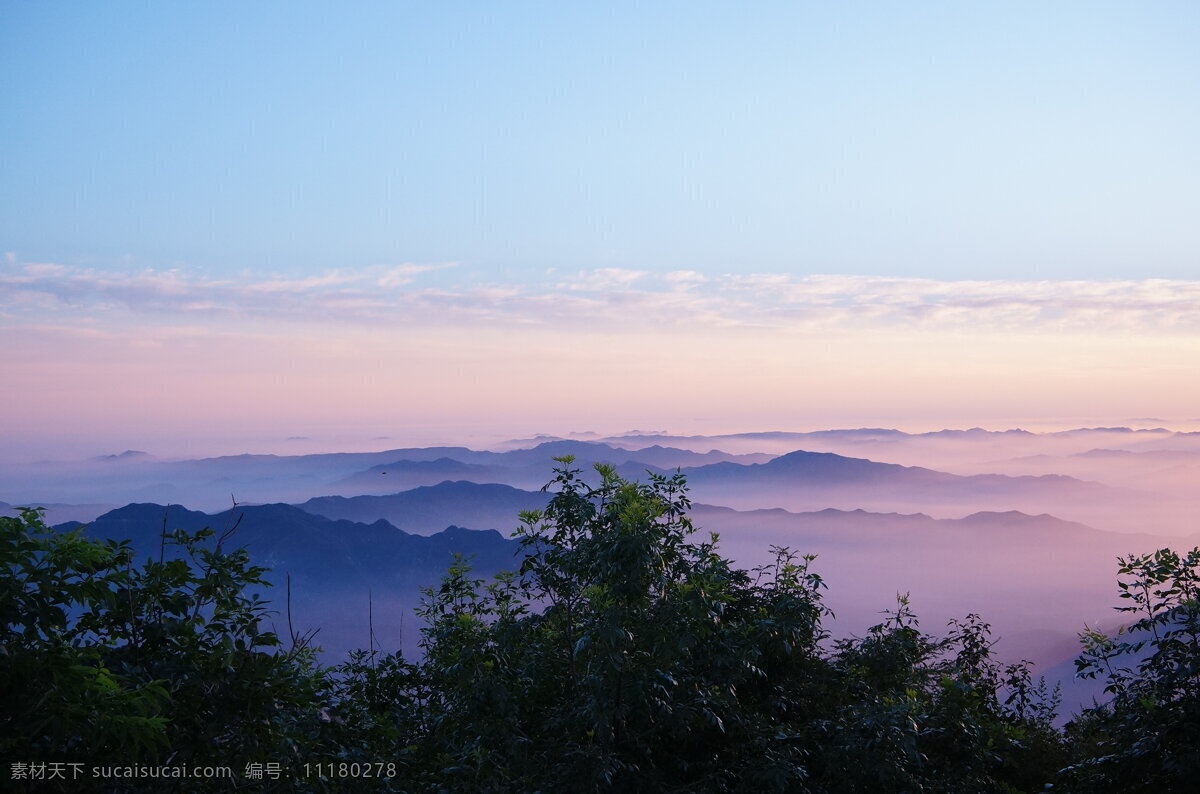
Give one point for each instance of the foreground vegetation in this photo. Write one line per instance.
(622, 655)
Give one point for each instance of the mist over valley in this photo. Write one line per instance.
(1022, 528)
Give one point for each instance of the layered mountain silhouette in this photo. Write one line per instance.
(807, 481)
(939, 449)
(289, 538)
(213, 483)
(1036, 578)
(335, 565)
(427, 509)
(1004, 523)
(522, 468)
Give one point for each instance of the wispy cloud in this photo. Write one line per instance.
(612, 298)
(602, 280)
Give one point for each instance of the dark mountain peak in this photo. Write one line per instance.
(453, 532)
(997, 515)
(446, 489)
(805, 457)
(332, 501)
(802, 466)
(436, 463)
(429, 508)
(465, 488)
(1016, 519)
(832, 463)
(269, 517)
(137, 511)
(271, 511)
(127, 455)
(143, 522)
(656, 448)
(833, 512)
(571, 447)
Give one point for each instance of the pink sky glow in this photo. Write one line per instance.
(136, 359)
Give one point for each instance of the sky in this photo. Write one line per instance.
(459, 220)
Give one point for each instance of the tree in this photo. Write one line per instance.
(107, 662)
(1146, 737)
(62, 694)
(622, 655)
(626, 656)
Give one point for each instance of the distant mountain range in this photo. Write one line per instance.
(797, 480)
(944, 473)
(212, 483)
(939, 449)
(823, 479)
(427, 509)
(1036, 578)
(1033, 576)
(523, 468)
(289, 538)
(1007, 524)
(882, 433)
(124, 457)
(1171, 475)
(334, 564)
(796, 470)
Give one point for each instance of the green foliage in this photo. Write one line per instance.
(1146, 737)
(63, 695)
(108, 662)
(377, 706)
(626, 656)
(622, 655)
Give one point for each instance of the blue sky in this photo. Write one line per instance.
(290, 219)
(947, 141)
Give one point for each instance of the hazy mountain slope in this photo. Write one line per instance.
(939, 449)
(213, 483)
(334, 564)
(1037, 579)
(208, 482)
(1167, 472)
(805, 480)
(520, 468)
(403, 474)
(428, 509)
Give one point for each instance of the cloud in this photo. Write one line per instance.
(333, 278)
(613, 299)
(684, 279)
(399, 275)
(602, 279)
